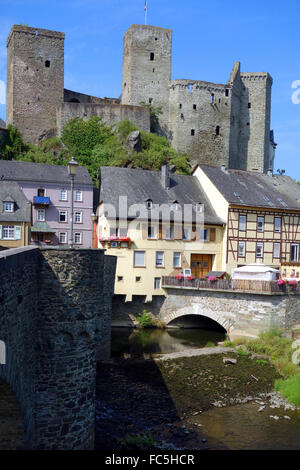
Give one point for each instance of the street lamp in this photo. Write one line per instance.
(72, 169)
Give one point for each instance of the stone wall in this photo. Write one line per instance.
(111, 114)
(239, 313)
(54, 311)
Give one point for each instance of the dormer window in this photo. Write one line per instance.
(199, 207)
(8, 206)
(149, 204)
(175, 206)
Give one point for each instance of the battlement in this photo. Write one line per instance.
(148, 28)
(197, 84)
(34, 32)
(253, 76)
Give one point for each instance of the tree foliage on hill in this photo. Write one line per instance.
(93, 144)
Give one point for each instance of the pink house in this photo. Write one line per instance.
(48, 188)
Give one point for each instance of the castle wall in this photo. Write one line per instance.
(55, 309)
(35, 80)
(110, 113)
(76, 97)
(200, 120)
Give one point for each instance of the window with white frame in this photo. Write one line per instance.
(78, 195)
(260, 224)
(242, 249)
(41, 215)
(294, 252)
(159, 261)
(149, 204)
(62, 237)
(152, 231)
(170, 232)
(277, 224)
(8, 232)
(139, 259)
(8, 206)
(259, 250)
(276, 250)
(242, 223)
(186, 233)
(78, 217)
(63, 195)
(204, 234)
(177, 260)
(157, 282)
(78, 238)
(63, 217)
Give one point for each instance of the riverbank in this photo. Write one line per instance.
(164, 398)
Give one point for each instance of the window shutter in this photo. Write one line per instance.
(18, 232)
(0, 232)
(212, 234)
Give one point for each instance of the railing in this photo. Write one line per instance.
(230, 284)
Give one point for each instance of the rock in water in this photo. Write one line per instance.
(229, 360)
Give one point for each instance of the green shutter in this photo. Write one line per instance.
(0, 232)
(18, 232)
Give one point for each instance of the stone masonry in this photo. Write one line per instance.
(55, 311)
(240, 314)
(219, 124)
(214, 123)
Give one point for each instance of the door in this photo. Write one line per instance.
(201, 265)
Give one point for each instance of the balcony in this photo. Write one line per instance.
(41, 201)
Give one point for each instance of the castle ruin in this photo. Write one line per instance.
(218, 124)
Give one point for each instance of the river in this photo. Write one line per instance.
(179, 402)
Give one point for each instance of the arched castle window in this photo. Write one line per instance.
(47, 63)
(218, 130)
(151, 55)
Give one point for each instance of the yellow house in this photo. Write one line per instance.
(15, 216)
(262, 213)
(158, 224)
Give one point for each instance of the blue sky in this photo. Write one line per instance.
(207, 39)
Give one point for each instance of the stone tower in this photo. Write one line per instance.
(35, 80)
(147, 69)
(255, 120)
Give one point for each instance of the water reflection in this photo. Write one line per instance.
(139, 341)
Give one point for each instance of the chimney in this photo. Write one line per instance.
(165, 176)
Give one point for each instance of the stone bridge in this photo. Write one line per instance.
(55, 318)
(239, 313)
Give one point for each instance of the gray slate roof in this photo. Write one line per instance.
(28, 171)
(11, 191)
(255, 189)
(140, 185)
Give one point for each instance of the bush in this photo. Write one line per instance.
(145, 320)
(290, 388)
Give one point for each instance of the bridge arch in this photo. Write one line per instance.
(221, 320)
(197, 322)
